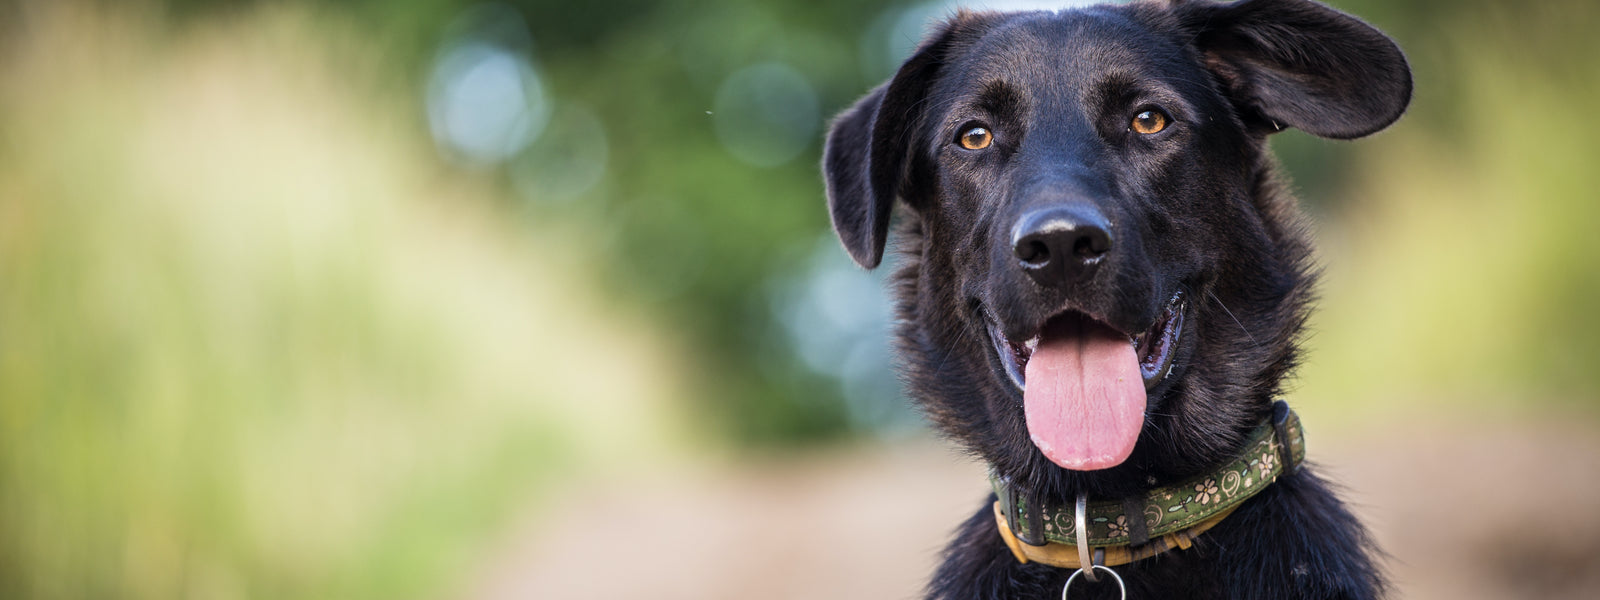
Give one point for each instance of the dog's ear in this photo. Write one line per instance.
(865, 162)
(1302, 64)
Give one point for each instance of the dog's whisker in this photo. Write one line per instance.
(1235, 319)
(950, 351)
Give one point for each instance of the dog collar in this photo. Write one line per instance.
(1120, 532)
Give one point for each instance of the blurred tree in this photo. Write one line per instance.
(689, 229)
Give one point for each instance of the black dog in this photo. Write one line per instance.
(1101, 281)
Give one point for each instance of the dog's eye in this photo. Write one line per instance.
(1150, 121)
(976, 138)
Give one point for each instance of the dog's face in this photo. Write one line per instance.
(1101, 283)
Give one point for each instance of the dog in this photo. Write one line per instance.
(1102, 282)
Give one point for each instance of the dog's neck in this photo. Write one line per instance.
(1170, 516)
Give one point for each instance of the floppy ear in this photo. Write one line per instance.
(1302, 64)
(860, 212)
(865, 161)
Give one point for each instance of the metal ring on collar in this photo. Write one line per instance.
(1121, 589)
(1080, 526)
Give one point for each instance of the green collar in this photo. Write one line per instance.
(1274, 448)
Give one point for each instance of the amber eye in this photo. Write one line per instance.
(976, 138)
(1150, 121)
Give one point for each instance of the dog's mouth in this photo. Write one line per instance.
(1084, 382)
(1155, 347)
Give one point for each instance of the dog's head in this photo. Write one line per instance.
(1101, 284)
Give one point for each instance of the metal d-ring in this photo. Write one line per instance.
(1121, 589)
(1080, 526)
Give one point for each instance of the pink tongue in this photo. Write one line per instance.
(1084, 397)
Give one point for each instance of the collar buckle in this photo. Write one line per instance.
(1280, 430)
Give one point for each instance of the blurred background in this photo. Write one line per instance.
(537, 299)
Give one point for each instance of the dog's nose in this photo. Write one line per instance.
(1061, 244)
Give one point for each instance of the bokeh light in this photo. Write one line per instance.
(838, 319)
(485, 100)
(566, 161)
(766, 114)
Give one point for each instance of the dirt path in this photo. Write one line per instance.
(1468, 512)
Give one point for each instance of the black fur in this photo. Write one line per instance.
(1194, 208)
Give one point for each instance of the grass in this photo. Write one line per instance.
(256, 342)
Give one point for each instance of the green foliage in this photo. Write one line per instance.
(693, 231)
